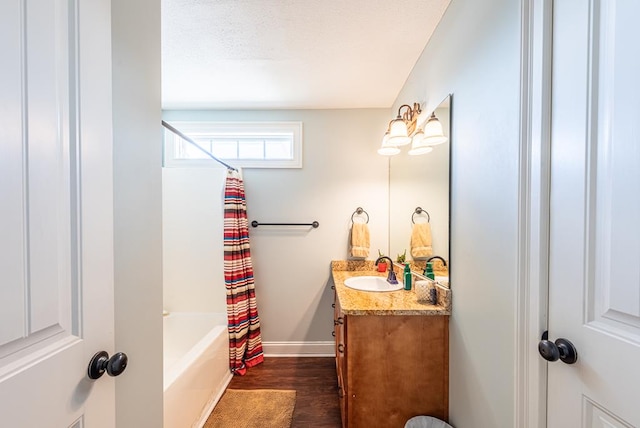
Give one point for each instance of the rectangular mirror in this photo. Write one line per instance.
(419, 193)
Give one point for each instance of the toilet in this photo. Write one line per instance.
(426, 422)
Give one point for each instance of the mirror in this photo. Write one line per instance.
(421, 181)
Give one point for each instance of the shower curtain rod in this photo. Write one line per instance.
(196, 145)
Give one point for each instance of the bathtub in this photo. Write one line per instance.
(196, 366)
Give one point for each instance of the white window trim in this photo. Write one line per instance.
(193, 129)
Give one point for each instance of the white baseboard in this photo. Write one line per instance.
(299, 349)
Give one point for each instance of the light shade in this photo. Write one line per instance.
(398, 135)
(387, 149)
(433, 133)
(418, 144)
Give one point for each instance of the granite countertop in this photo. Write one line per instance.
(401, 302)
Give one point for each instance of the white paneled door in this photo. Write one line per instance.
(56, 261)
(595, 213)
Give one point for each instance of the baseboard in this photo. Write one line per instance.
(299, 349)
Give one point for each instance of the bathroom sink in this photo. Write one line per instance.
(371, 283)
(444, 280)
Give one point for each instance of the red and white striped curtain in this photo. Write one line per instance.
(245, 342)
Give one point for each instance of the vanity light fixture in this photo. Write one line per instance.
(404, 130)
(401, 128)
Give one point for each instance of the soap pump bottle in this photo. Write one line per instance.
(407, 277)
(433, 293)
(428, 271)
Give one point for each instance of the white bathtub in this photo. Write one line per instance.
(196, 366)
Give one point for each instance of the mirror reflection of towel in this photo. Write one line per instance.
(360, 240)
(421, 241)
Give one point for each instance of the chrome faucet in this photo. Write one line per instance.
(391, 278)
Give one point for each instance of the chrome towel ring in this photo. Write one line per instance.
(419, 211)
(360, 211)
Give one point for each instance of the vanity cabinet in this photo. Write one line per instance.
(391, 367)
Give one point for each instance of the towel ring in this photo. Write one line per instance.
(360, 211)
(420, 211)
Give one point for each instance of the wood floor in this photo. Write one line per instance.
(314, 379)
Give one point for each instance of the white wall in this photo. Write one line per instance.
(192, 224)
(474, 54)
(137, 160)
(341, 171)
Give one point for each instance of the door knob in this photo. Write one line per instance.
(101, 362)
(561, 349)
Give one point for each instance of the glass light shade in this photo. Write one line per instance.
(420, 150)
(398, 133)
(418, 144)
(387, 149)
(433, 133)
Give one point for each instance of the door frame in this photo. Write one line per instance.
(531, 312)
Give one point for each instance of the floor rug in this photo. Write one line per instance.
(264, 408)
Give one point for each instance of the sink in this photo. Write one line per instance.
(371, 283)
(444, 280)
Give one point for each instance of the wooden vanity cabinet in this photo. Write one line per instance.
(339, 333)
(391, 368)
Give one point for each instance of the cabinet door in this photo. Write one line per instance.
(337, 331)
(340, 327)
(397, 367)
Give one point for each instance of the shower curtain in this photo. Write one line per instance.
(245, 342)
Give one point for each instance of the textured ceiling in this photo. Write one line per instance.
(230, 54)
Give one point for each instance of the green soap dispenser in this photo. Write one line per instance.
(428, 271)
(433, 293)
(407, 277)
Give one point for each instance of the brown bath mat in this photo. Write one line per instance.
(264, 408)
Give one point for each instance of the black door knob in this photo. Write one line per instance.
(101, 362)
(561, 349)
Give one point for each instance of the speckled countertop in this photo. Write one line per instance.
(401, 302)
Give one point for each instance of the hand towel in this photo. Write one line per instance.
(360, 240)
(421, 241)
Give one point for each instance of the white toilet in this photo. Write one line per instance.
(426, 422)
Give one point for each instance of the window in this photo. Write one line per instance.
(240, 144)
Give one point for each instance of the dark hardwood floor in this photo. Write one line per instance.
(314, 379)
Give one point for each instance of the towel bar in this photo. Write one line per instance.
(314, 224)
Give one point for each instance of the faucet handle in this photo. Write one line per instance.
(391, 279)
